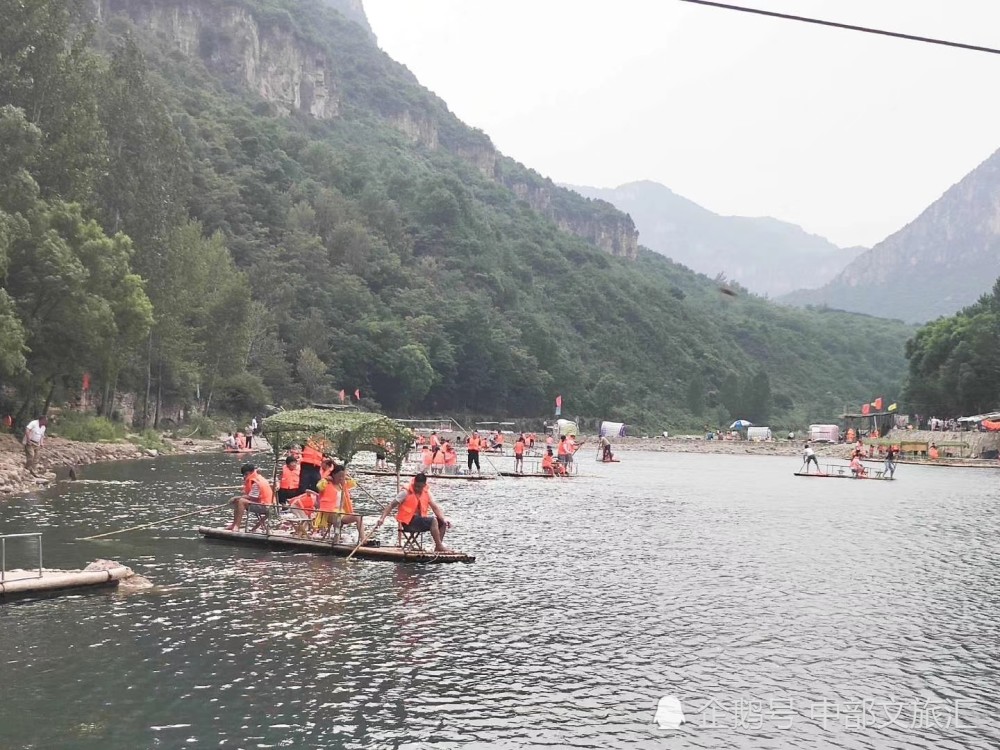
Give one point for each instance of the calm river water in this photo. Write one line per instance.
(780, 612)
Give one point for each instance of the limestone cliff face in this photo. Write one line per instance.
(300, 76)
(937, 264)
(291, 74)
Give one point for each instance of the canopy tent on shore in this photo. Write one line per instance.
(346, 432)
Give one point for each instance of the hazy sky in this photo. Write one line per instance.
(849, 135)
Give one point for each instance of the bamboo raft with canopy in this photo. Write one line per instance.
(346, 434)
(915, 453)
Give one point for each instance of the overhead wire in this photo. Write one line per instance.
(847, 26)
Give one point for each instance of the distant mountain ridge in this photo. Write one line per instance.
(766, 255)
(940, 262)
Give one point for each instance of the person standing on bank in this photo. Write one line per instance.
(34, 439)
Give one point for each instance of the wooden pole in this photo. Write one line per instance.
(366, 538)
(147, 525)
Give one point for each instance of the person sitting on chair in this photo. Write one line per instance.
(257, 498)
(417, 512)
(857, 467)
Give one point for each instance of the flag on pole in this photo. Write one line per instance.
(343, 396)
(865, 408)
(558, 405)
(877, 404)
(357, 393)
(892, 406)
(86, 382)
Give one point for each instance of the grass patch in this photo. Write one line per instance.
(87, 428)
(150, 439)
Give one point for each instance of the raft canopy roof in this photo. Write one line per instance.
(346, 432)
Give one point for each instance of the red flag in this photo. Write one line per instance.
(86, 381)
(558, 400)
(357, 393)
(343, 396)
(865, 408)
(877, 404)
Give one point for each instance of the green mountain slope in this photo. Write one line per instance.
(767, 256)
(307, 218)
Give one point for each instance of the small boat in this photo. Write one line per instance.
(285, 540)
(380, 473)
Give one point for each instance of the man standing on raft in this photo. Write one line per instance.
(809, 457)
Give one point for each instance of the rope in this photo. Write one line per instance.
(154, 523)
(847, 26)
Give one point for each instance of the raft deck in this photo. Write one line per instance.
(840, 475)
(377, 473)
(26, 583)
(285, 540)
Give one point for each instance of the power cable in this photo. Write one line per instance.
(849, 27)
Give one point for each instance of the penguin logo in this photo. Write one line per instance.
(669, 714)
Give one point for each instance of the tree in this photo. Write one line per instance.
(312, 373)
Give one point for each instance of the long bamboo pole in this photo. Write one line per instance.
(147, 525)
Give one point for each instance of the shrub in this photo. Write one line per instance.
(87, 428)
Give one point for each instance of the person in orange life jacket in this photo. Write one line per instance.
(346, 507)
(437, 461)
(328, 500)
(450, 458)
(519, 454)
(426, 458)
(549, 465)
(302, 509)
(257, 497)
(310, 463)
(416, 511)
(435, 442)
(473, 445)
(288, 486)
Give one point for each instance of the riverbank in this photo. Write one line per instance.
(697, 444)
(59, 455)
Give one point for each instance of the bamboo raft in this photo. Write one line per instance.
(285, 540)
(844, 475)
(378, 473)
(22, 583)
(533, 475)
(953, 463)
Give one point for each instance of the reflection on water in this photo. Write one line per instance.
(781, 612)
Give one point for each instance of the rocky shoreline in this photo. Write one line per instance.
(58, 456)
(697, 444)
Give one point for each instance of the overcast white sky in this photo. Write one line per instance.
(850, 135)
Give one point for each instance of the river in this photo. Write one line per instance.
(780, 612)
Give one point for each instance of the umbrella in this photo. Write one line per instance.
(739, 424)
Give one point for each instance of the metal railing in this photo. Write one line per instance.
(3, 551)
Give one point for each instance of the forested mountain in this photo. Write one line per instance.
(765, 255)
(221, 203)
(937, 264)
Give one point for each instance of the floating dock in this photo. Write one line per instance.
(285, 540)
(24, 583)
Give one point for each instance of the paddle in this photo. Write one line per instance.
(154, 523)
(361, 543)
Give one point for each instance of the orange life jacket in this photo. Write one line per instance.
(304, 501)
(328, 497)
(563, 448)
(519, 447)
(266, 493)
(346, 504)
(413, 505)
(472, 443)
(289, 478)
(547, 461)
(500, 438)
(311, 454)
(435, 441)
(450, 457)
(438, 458)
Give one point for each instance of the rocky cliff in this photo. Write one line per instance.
(300, 70)
(937, 264)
